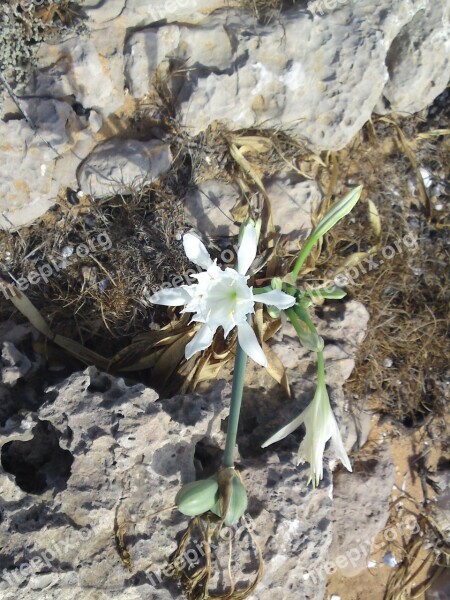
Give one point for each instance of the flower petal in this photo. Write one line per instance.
(177, 296)
(200, 341)
(195, 251)
(338, 446)
(285, 431)
(275, 298)
(247, 249)
(249, 343)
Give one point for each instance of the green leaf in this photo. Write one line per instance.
(334, 215)
(332, 293)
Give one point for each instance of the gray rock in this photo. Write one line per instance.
(360, 511)
(418, 61)
(120, 166)
(324, 89)
(208, 208)
(31, 159)
(208, 46)
(117, 450)
(14, 364)
(126, 14)
(228, 67)
(18, 367)
(98, 449)
(88, 69)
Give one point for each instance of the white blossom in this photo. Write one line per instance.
(222, 297)
(321, 425)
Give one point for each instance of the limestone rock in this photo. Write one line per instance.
(119, 453)
(19, 367)
(362, 499)
(324, 89)
(89, 69)
(418, 61)
(208, 207)
(14, 364)
(97, 450)
(145, 51)
(31, 159)
(352, 58)
(121, 166)
(127, 14)
(208, 46)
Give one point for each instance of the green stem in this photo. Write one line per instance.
(240, 364)
(320, 369)
(295, 320)
(304, 316)
(303, 256)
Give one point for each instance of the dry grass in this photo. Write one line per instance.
(402, 367)
(102, 301)
(267, 10)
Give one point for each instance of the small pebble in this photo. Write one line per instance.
(388, 362)
(390, 560)
(67, 251)
(89, 220)
(103, 284)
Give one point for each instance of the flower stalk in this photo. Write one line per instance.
(235, 407)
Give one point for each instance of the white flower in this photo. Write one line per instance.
(222, 298)
(320, 426)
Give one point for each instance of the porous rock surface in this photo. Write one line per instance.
(97, 453)
(316, 71)
(362, 500)
(130, 455)
(120, 166)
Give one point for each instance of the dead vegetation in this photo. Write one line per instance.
(267, 10)
(402, 365)
(101, 300)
